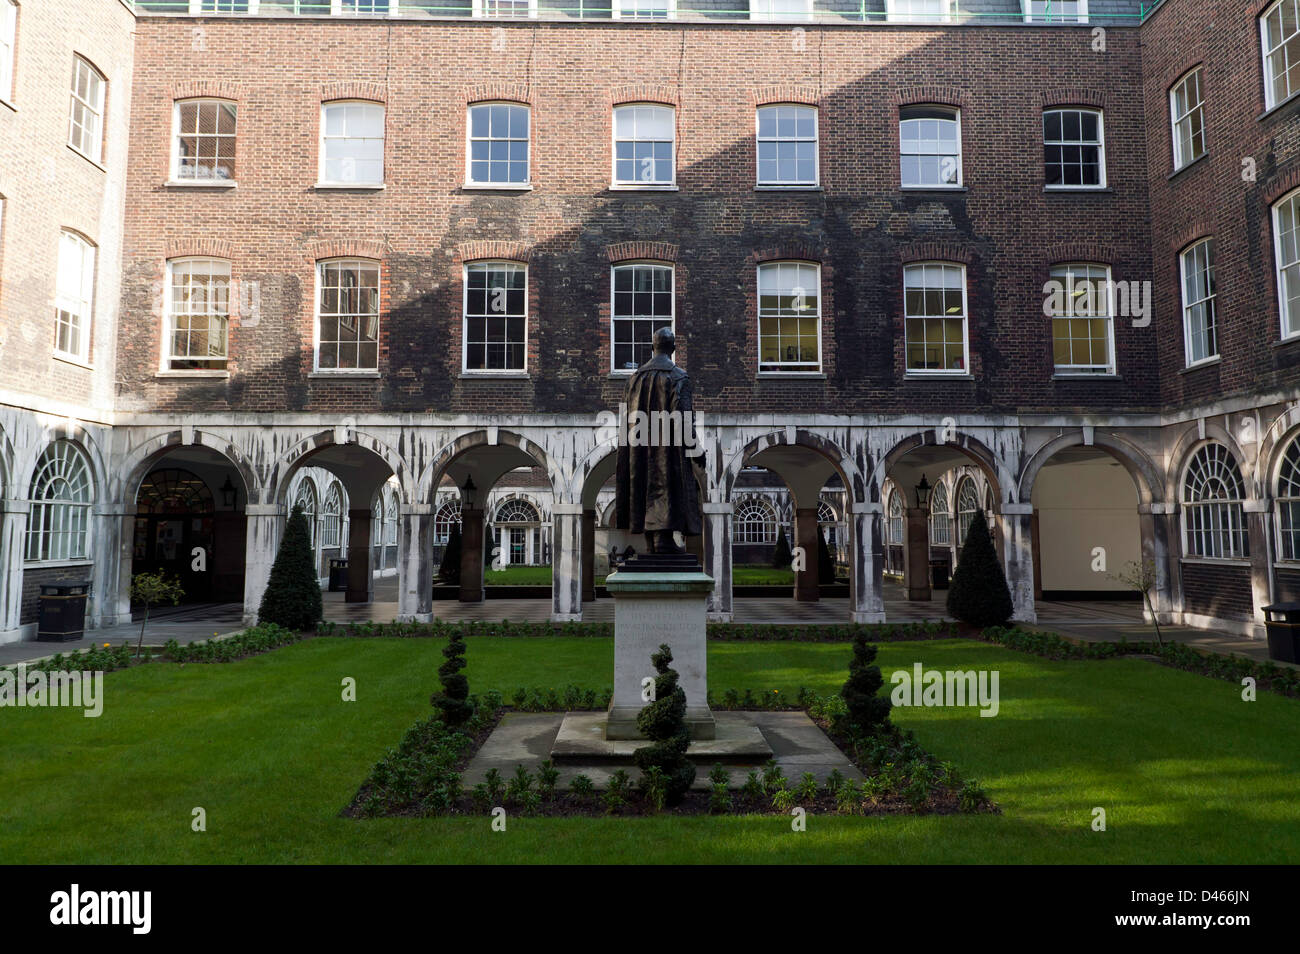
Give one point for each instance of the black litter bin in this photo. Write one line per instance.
(1282, 620)
(939, 574)
(62, 612)
(338, 575)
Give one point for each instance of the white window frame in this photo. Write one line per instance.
(331, 517)
(893, 13)
(1100, 144)
(757, 14)
(965, 323)
(1108, 295)
(897, 520)
(1030, 17)
(940, 520)
(1209, 301)
(813, 183)
(769, 526)
(321, 179)
(8, 48)
(442, 525)
(337, 9)
(481, 10)
(79, 304)
(174, 177)
(59, 527)
(1287, 495)
(305, 492)
(1224, 523)
(796, 367)
(627, 10)
(169, 319)
(350, 261)
(196, 8)
(465, 316)
(470, 139)
(1290, 324)
(93, 107)
(634, 184)
(1271, 98)
(1175, 119)
(929, 187)
(614, 317)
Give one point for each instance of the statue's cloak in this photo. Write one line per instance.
(655, 485)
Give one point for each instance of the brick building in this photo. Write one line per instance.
(1043, 255)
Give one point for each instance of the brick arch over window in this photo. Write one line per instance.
(785, 93)
(935, 251)
(347, 248)
(644, 93)
(197, 245)
(494, 249)
(936, 95)
(795, 252)
(1072, 96)
(498, 92)
(1069, 252)
(648, 251)
(1189, 234)
(208, 89)
(353, 89)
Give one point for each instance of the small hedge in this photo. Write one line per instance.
(758, 632)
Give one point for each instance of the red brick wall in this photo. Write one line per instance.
(570, 73)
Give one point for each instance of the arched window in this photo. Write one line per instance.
(755, 522)
(331, 517)
(306, 500)
(517, 511)
(173, 491)
(1213, 517)
(968, 504)
(895, 517)
(447, 516)
(825, 513)
(390, 519)
(1288, 502)
(60, 505)
(940, 516)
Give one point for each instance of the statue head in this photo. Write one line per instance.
(665, 341)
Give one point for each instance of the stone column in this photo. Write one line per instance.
(360, 583)
(265, 524)
(806, 588)
(1261, 583)
(867, 601)
(1017, 535)
(1156, 521)
(13, 538)
(918, 554)
(111, 589)
(415, 564)
(717, 563)
(471, 556)
(588, 556)
(566, 562)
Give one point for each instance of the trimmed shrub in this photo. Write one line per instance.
(979, 594)
(867, 712)
(455, 687)
(663, 722)
(292, 597)
(781, 556)
(449, 568)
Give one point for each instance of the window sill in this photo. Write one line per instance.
(94, 162)
(938, 376)
(791, 376)
(1207, 363)
(934, 188)
(1278, 107)
(349, 186)
(494, 375)
(1288, 340)
(1187, 165)
(55, 564)
(497, 187)
(200, 184)
(1212, 561)
(1077, 189)
(633, 187)
(73, 360)
(196, 373)
(815, 187)
(1085, 376)
(343, 374)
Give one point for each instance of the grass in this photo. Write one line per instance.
(541, 576)
(1187, 772)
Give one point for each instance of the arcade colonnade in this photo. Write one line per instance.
(1215, 501)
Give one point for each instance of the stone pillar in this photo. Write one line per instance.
(1017, 535)
(588, 556)
(471, 556)
(867, 602)
(918, 554)
(1158, 524)
(110, 602)
(717, 562)
(566, 562)
(360, 583)
(1261, 572)
(265, 524)
(13, 538)
(415, 564)
(806, 589)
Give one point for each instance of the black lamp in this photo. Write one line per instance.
(923, 493)
(467, 494)
(228, 493)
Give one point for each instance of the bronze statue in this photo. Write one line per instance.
(656, 491)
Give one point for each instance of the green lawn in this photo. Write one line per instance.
(541, 576)
(1185, 770)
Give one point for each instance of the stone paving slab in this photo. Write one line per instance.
(526, 738)
(581, 737)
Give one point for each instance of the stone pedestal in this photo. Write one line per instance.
(661, 600)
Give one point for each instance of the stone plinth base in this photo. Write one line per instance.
(582, 738)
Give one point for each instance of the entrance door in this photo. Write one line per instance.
(518, 546)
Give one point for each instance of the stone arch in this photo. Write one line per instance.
(995, 471)
(1190, 442)
(300, 454)
(141, 459)
(24, 465)
(1145, 474)
(819, 444)
(427, 486)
